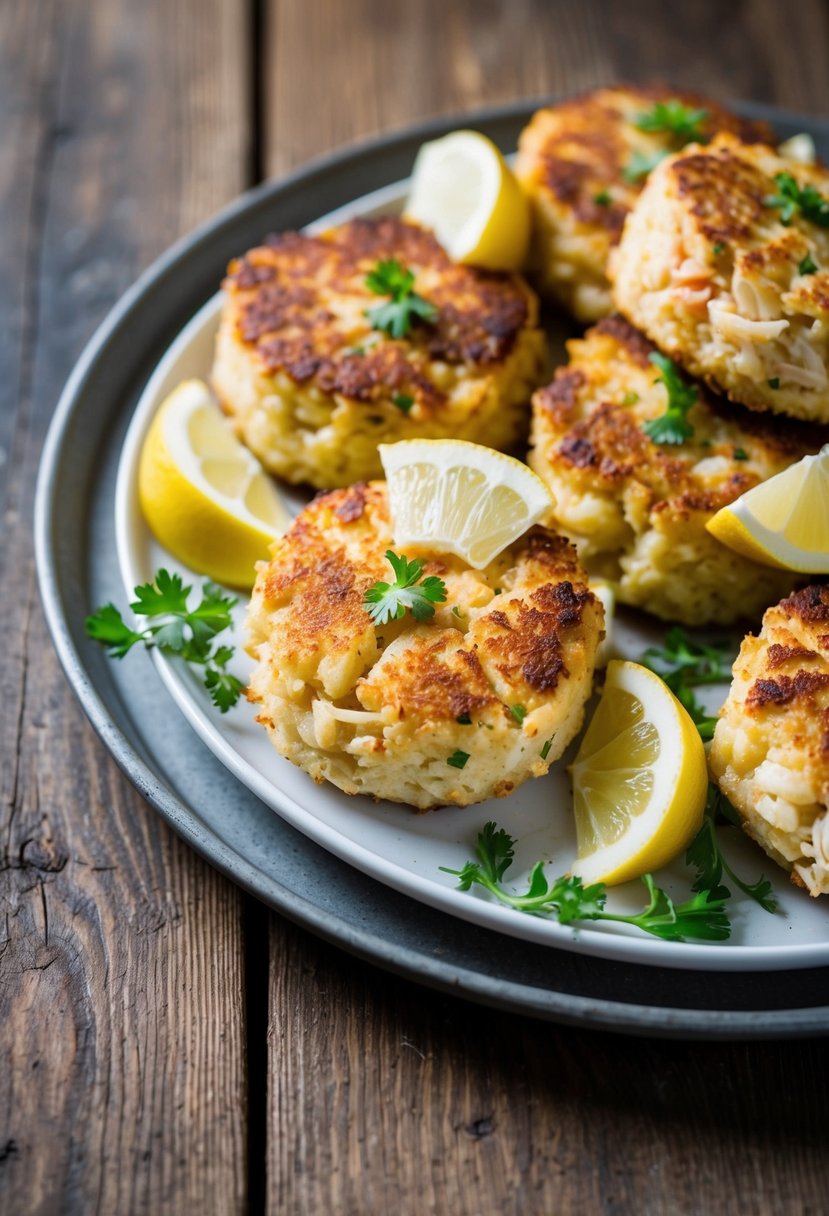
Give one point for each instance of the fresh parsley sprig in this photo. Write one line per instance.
(389, 601)
(681, 123)
(703, 917)
(672, 426)
(675, 119)
(684, 665)
(793, 200)
(175, 630)
(640, 165)
(389, 278)
(705, 856)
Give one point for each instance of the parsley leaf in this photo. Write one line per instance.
(602, 199)
(389, 278)
(458, 759)
(791, 200)
(672, 426)
(674, 118)
(403, 402)
(705, 856)
(640, 165)
(703, 917)
(389, 601)
(175, 629)
(807, 265)
(685, 665)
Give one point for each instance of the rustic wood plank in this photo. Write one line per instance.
(122, 1082)
(390, 1098)
(339, 72)
(384, 1097)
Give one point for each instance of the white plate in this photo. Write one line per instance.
(403, 849)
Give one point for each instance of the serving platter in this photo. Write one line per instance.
(77, 549)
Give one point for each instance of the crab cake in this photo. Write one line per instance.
(637, 509)
(723, 265)
(313, 388)
(583, 163)
(455, 709)
(770, 754)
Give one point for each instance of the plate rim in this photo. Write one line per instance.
(546, 1002)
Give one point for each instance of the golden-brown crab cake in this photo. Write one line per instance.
(583, 164)
(453, 710)
(723, 266)
(770, 754)
(637, 509)
(313, 388)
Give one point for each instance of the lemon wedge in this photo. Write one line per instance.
(206, 498)
(453, 496)
(463, 189)
(784, 521)
(639, 779)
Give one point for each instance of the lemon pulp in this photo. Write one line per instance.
(205, 497)
(639, 779)
(463, 189)
(452, 496)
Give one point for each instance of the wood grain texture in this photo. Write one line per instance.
(386, 1098)
(338, 72)
(390, 1098)
(122, 1063)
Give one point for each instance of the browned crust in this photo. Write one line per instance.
(582, 147)
(525, 639)
(440, 680)
(627, 337)
(810, 605)
(784, 689)
(779, 655)
(723, 190)
(591, 434)
(524, 636)
(279, 295)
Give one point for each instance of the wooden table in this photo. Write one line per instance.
(168, 1045)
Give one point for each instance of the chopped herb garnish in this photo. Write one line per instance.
(774, 382)
(602, 199)
(458, 759)
(464, 720)
(176, 631)
(719, 247)
(630, 399)
(567, 898)
(389, 601)
(497, 591)
(403, 402)
(792, 200)
(705, 856)
(740, 454)
(518, 712)
(640, 165)
(672, 426)
(395, 318)
(545, 751)
(456, 610)
(685, 665)
(807, 265)
(674, 118)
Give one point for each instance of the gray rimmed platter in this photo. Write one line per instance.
(75, 548)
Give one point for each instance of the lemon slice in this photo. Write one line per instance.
(639, 779)
(452, 496)
(463, 189)
(784, 521)
(206, 498)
